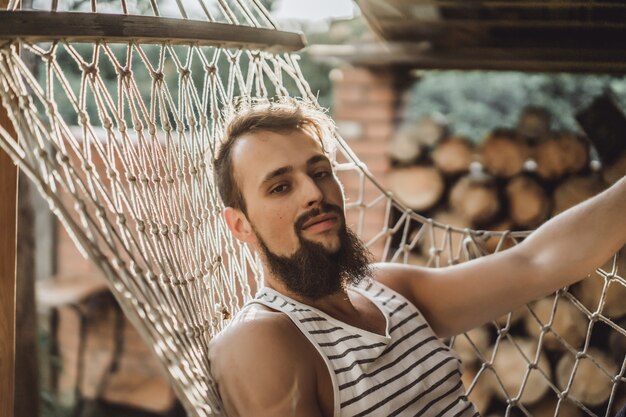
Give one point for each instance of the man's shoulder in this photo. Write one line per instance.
(257, 360)
(255, 321)
(257, 332)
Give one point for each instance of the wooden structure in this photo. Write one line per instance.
(563, 36)
(38, 26)
(46, 26)
(8, 226)
(8, 248)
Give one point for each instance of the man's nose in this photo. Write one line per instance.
(312, 194)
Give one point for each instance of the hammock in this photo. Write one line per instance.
(124, 159)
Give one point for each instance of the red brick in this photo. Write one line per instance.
(366, 112)
(364, 93)
(364, 75)
(378, 130)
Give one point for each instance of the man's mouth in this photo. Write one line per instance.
(320, 223)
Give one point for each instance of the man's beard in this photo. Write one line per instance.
(313, 271)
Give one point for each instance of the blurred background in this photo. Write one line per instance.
(429, 135)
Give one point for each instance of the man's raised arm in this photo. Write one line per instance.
(562, 251)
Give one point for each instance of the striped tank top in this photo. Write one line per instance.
(406, 372)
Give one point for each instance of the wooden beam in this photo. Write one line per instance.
(588, 9)
(8, 223)
(8, 248)
(421, 55)
(563, 25)
(36, 26)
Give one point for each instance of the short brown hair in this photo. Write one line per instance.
(256, 116)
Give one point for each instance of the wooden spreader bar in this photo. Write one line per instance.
(39, 26)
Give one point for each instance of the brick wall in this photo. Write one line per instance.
(366, 103)
(139, 370)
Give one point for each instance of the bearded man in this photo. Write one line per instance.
(330, 334)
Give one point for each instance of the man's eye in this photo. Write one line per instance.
(279, 189)
(321, 174)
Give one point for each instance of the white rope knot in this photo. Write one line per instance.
(83, 118)
(185, 73)
(157, 76)
(90, 70)
(124, 73)
(51, 107)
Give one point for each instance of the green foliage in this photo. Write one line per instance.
(476, 101)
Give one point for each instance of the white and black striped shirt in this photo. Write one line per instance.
(406, 372)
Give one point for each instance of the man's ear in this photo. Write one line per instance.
(239, 225)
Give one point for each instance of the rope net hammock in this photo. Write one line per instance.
(123, 156)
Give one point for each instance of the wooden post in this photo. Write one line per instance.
(8, 240)
(8, 223)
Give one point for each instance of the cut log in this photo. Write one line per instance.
(547, 408)
(405, 146)
(440, 244)
(516, 317)
(591, 386)
(491, 244)
(432, 129)
(617, 343)
(534, 123)
(416, 260)
(615, 171)
(619, 399)
(589, 290)
(561, 154)
(604, 122)
(569, 323)
(453, 155)
(576, 190)
(466, 349)
(481, 393)
(511, 367)
(475, 198)
(529, 205)
(418, 187)
(504, 153)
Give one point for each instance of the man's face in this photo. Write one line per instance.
(295, 215)
(286, 179)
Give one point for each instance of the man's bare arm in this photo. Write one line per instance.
(562, 251)
(261, 369)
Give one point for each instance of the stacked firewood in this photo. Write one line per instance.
(515, 179)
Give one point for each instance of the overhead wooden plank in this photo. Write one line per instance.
(568, 35)
(37, 26)
(423, 56)
(522, 34)
(499, 23)
(8, 223)
(495, 10)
